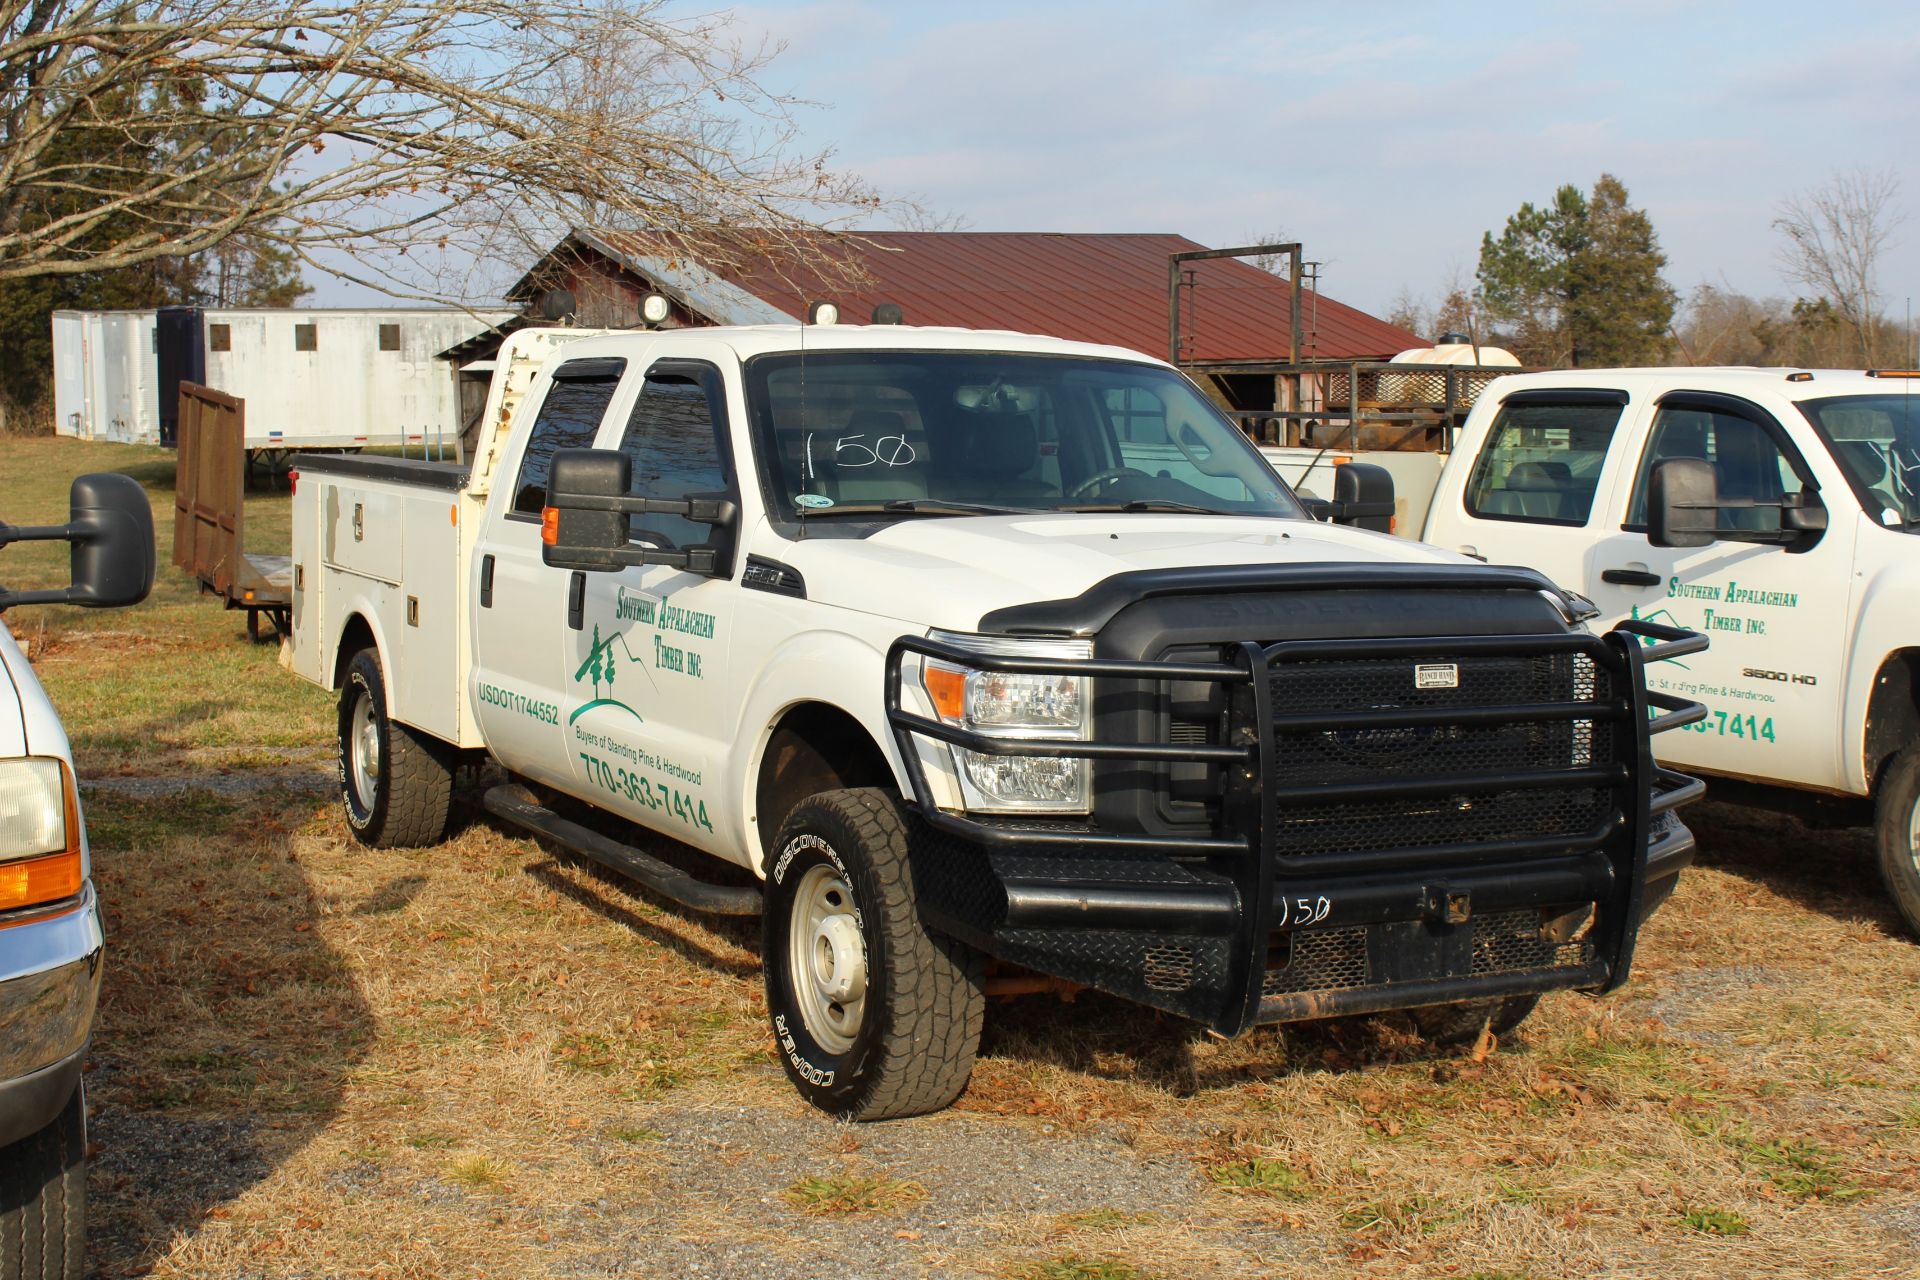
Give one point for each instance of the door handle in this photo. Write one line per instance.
(577, 600)
(1630, 577)
(486, 581)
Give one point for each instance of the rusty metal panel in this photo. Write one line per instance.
(209, 496)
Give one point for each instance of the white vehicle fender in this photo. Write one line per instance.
(1886, 627)
(357, 602)
(833, 668)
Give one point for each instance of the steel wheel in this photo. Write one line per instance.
(828, 958)
(363, 751)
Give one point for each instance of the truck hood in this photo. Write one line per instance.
(948, 572)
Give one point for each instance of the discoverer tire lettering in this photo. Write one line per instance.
(396, 783)
(840, 869)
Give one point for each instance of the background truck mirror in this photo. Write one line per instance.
(1363, 496)
(1683, 503)
(110, 525)
(580, 528)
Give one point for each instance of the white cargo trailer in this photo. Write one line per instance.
(105, 375)
(312, 378)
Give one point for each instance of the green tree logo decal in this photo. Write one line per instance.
(600, 667)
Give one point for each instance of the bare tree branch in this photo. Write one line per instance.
(414, 137)
(1835, 235)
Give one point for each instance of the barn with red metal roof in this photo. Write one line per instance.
(1108, 288)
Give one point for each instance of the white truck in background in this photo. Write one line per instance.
(915, 629)
(1803, 565)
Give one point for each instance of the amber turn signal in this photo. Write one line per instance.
(33, 881)
(947, 688)
(550, 526)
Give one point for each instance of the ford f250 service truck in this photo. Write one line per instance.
(977, 645)
(50, 937)
(1801, 564)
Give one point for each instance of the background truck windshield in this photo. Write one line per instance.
(879, 433)
(1876, 441)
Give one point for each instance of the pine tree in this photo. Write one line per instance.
(1578, 282)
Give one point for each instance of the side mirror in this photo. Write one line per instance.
(584, 524)
(1683, 500)
(1363, 496)
(110, 527)
(112, 558)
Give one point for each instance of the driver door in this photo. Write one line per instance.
(649, 688)
(1771, 612)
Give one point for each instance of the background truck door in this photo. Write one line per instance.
(647, 705)
(1538, 490)
(519, 602)
(1776, 615)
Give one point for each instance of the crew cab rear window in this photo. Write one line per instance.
(569, 418)
(1542, 461)
(676, 441)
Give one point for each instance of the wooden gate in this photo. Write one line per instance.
(209, 492)
(209, 511)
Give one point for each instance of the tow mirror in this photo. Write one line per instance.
(1363, 496)
(1683, 502)
(110, 527)
(584, 524)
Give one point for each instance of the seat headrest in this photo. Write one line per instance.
(1539, 477)
(1866, 461)
(998, 444)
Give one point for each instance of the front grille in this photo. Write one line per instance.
(1317, 960)
(1502, 942)
(1378, 755)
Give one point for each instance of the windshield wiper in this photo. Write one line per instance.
(914, 507)
(1151, 504)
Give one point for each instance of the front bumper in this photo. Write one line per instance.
(49, 987)
(1240, 926)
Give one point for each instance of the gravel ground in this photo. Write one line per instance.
(728, 1169)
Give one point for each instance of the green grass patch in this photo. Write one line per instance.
(1104, 1219)
(1261, 1177)
(431, 1140)
(1074, 1267)
(479, 1172)
(621, 1133)
(1416, 1213)
(593, 1055)
(1714, 1222)
(853, 1193)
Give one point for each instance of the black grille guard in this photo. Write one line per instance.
(1246, 838)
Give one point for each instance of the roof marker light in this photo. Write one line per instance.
(654, 309)
(1893, 373)
(1802, 376)
(889, 313)
(822, 313)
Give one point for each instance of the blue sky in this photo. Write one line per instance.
(1387, 137)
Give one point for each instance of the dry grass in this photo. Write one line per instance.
(317, 1059)
(853, 1193)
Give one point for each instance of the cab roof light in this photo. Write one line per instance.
(823, 313)
(1893, 373)
(1802, 376)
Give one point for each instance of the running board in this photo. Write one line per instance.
(518, 806)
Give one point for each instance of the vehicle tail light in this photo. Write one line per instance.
(293, 483)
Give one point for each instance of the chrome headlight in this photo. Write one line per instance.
(1014, 705)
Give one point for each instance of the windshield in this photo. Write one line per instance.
(885, 435)
(1876, 441)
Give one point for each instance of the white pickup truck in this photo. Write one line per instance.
(1805, 569)
(974, 645)
(50, 937)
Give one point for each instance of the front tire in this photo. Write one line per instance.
(873, 1016)
(1897, 833)
(43, 1199)
(396, 782)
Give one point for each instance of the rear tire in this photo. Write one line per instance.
(43, 1199)
(873, 1016)
(396, 782)
(1896, 830)
(1452, 1025)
